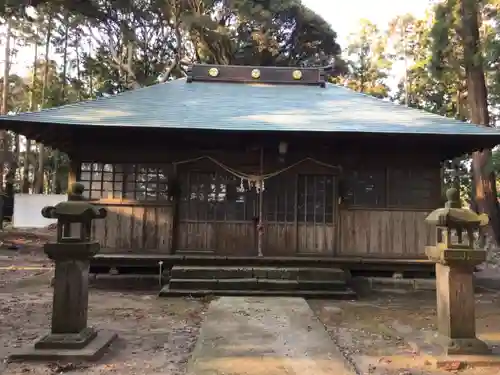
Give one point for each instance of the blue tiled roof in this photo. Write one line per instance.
(234, 106)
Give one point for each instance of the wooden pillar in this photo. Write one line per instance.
(174, 241)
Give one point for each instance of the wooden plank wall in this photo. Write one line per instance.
(290, 239)
(240, 238)
(367, 233)
(384, 234)
(132, 227)
(236, 238)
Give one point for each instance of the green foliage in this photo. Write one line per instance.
(369, 65)
(135, 42)
(437, 73)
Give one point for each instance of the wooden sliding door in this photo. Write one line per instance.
(216, 214)
(300, 215)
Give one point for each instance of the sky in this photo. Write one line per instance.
(344, 17)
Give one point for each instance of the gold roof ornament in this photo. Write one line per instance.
(256, 74)
(213, 72)
(274, 75)
(297, 74)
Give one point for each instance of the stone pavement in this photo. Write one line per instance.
(264, 336)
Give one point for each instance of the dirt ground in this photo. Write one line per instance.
(156, 336)
(393, 335)
(22, 258)
(380, 335)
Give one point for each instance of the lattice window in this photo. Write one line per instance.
(101, 181)
(209, 196)
(412, 188)
(146, 182)
(316, 199)
(124, 181)
(365, 188)
(280, 198)
(303, 198)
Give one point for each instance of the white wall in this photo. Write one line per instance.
(28, 209)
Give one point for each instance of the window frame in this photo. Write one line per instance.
(417, 179)
(122, 182)
(293, 196)
(219, 208)
(382, 194)
(406, 186)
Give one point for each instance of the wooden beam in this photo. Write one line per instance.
(174, 241)
(256, 74)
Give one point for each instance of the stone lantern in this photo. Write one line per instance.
(70, 337)
(456, 257)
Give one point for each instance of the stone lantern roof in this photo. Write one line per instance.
(74, 210)
(454, 215)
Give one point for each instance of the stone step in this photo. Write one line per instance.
(278, 273)
(256, 284)
(346, 294)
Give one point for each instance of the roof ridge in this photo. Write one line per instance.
(245, 74)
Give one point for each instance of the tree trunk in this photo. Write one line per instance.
(32, 104)
(5, 88)
(41, 152)
(16, 158)
(78, 72)
(55, 155)
(485, 193)
(65, 57)
(91, 78)
(25, 186)
(16, 150)
(4, 110)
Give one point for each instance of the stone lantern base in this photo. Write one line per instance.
(455, 300)
(89, 346)
(470, 346)
(70, 339)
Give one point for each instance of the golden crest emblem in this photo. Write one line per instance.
(213, 72)
(297, 74)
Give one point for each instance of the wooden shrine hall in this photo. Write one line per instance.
(256, 163)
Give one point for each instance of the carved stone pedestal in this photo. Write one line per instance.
(92, 351)
(70, 338)
(456, 311)
(456, 257)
